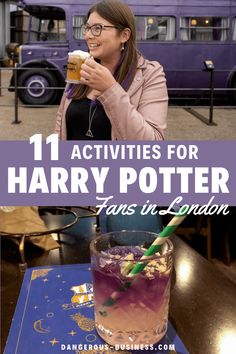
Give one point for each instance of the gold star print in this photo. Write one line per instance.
(45, 280)
(72, 333)
(53, 341)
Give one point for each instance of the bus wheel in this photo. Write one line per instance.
(36, 83)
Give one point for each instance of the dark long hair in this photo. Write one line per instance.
(120, 15)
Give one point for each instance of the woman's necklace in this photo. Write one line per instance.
(89, 132)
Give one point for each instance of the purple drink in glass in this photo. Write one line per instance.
(130, 311)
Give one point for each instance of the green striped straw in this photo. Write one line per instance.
(162, 237)
(154, 248)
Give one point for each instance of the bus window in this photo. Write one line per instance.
(157, 28)
(48, 30)
(234, 29)
(204, 29)
(78, 21)
(47, 23)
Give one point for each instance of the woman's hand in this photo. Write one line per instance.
(96, 76)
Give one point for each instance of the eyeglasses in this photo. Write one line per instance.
(96, 30)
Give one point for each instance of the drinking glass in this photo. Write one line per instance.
(75, 60)
(130, 310)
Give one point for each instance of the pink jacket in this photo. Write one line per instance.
(138, 114)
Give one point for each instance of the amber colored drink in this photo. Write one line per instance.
(75, 60)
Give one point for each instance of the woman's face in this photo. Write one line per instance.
(106, 47)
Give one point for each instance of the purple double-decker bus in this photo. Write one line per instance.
(180, 34)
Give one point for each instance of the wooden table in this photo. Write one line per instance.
(203, 304)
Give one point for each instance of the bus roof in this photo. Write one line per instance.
(149, 7)
(134, 3)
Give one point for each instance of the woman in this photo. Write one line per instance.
(122, 96)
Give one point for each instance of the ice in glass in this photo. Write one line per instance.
(130, 311)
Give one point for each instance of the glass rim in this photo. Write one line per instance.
(107, 256)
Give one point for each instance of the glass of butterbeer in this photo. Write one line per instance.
(75, 60)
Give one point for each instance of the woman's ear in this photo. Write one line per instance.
(125, 35)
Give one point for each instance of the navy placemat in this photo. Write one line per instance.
(54, 314)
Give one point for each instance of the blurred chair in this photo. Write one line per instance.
(86, 212)
(24, 223)
(197, 225)
(223, 233)
(151, 223)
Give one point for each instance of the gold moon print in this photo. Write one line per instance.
(38, 327)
